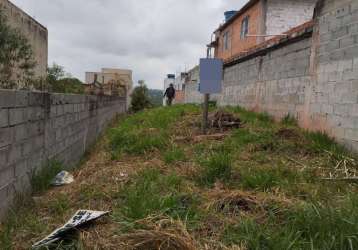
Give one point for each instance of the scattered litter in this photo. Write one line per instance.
(122, 177)
(62, 178)
(222, 120)
(346, 168)
(80, 218)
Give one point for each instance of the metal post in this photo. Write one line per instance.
(206, 104)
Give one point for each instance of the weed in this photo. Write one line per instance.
(309, 226)
(176, 154)
(146, 196)
(266, 178)
(289, 121)
(60, 205)
(146, 131)
(320, 142)
(22, 218)
(41, 181)
(217, 167)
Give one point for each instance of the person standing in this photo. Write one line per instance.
(170, 94)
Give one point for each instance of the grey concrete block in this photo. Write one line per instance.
(20, 132)
(4, 118)
(4, 157)
(7, 176)
(6, 136)
(7, 98)
(17, 116)
(22, 98)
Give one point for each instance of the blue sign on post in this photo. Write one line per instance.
(211, 75)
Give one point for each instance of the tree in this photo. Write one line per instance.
(59, 81)
(16, 57)
(140, 98)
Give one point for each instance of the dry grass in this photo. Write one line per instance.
(217, 212)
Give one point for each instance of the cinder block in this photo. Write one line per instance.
(351, 134)
(22, 98)
(21, 168)
(4, 156)
(7, 176)
(20, 132)
(4, 118)
(7, 98)
(17, 116)
(6, 136)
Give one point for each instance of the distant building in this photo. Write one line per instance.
(178, 83)
(36, 34)
(257, 21)
(109, 82)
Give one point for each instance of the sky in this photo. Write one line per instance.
(151, 37)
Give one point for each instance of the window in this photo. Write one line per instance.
(245, 27)
(226, 41)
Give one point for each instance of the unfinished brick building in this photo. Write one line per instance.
(257, 21)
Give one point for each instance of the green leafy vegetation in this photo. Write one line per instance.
(156, 97)
(174, 155)
(140, 98)
(58, 81)
(16, 57)
(217, 168)
(41, 180)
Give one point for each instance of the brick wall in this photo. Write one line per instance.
(236, 43)
(37, 127)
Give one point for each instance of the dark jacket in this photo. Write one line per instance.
(170, 92)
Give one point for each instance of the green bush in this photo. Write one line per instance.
(140, 99)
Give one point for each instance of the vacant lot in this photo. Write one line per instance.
(265, 185)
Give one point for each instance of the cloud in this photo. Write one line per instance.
(151, 37)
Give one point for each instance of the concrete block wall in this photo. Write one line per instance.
(38, 127)
(274, 82)
(334, 100)
(314, 78)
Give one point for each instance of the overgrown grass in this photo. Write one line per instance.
(289, 121)
(41, 180)
(306, 226)
(154, 194)
(269, 173)
(176, 154)
(218, 167)
(146, 131)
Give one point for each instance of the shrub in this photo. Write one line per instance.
(140, 99)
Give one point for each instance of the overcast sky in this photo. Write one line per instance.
(151, 37)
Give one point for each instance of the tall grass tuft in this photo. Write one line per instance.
(218, 167)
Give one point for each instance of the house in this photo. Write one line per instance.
(258, 21)
(178, 83)
(36, 34)
(109, 82)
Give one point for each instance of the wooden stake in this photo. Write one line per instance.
(205, 113)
